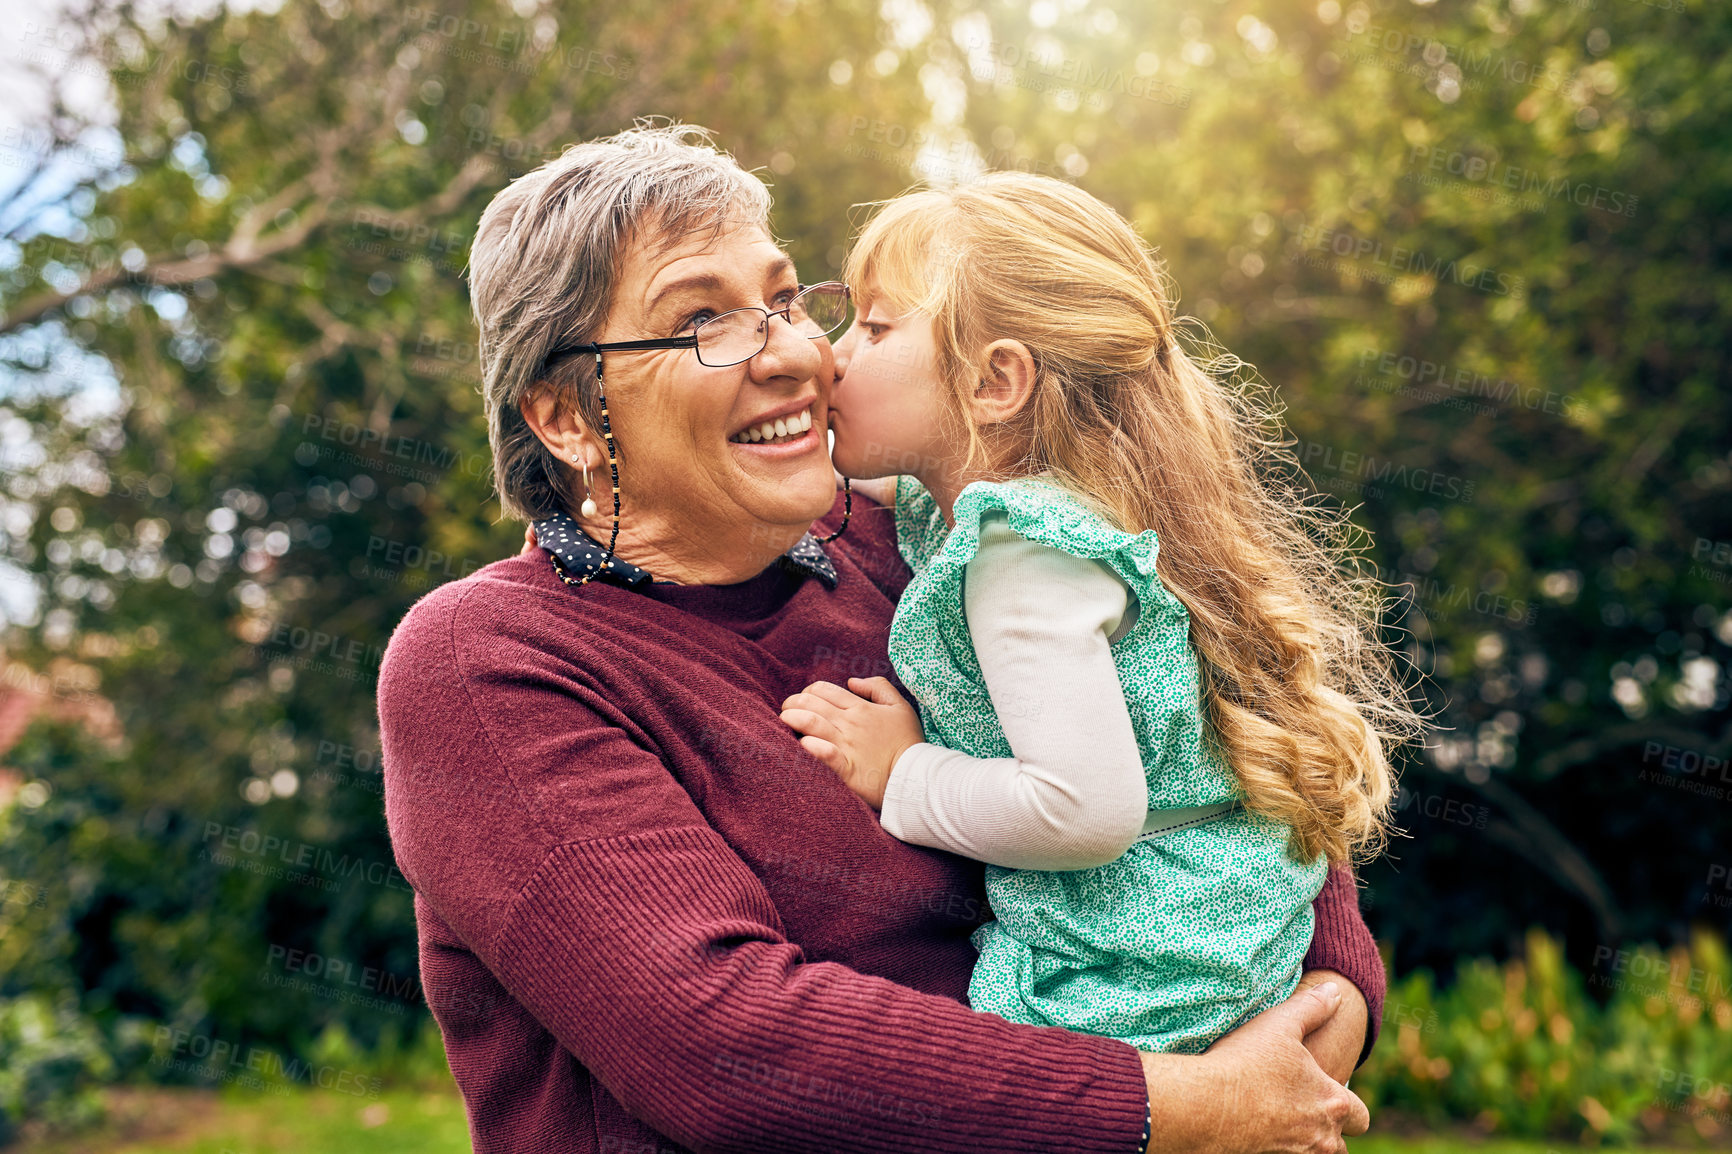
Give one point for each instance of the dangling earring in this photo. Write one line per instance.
(589, 507)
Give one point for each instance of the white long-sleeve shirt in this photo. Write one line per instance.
(1074, 794)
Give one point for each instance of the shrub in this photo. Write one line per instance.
(51, 1060)
(1523, 1050)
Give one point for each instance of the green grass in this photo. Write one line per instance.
(300, 1122)
(424, 1121)
(1459, 1145)
(1464, 1143)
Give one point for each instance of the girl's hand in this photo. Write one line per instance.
(859, 732)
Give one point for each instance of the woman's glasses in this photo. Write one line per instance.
(740, 334)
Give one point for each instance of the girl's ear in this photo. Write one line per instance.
(1006, 385)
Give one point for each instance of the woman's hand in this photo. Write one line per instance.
(1257, 1089)
(1337, 1043)
(859, 732)
(528, 539)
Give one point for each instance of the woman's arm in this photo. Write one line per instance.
(1342, 944)
(530, 813)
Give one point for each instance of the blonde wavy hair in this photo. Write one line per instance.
(1303, 695)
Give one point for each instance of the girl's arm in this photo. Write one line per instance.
(1074, 794)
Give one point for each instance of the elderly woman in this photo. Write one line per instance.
(649, 920)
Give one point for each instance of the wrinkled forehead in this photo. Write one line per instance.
(726, 256)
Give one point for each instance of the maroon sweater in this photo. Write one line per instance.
(650, 922)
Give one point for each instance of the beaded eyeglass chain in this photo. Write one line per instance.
(613, 471)
(847, 512)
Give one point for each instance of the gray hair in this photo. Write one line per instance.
(543, 266)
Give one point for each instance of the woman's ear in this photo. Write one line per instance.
(1006, 384)
(559, 428)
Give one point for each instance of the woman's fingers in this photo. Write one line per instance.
(1305, 1014)
(1302, 1109)
(1357, 1119)
(1335, 1044)
(528, 538)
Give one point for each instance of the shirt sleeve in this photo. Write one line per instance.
(1074, 794)
(539, 824)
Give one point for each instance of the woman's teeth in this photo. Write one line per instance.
(776, 432)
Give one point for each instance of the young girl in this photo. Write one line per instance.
(1153, 701)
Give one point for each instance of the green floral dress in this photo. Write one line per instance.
(1183, 936)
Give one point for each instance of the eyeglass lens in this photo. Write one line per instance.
(741, 334)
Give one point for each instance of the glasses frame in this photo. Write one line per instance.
(691, 341)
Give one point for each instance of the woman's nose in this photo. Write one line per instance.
(787, 352)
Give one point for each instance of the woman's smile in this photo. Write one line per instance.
(781, 434)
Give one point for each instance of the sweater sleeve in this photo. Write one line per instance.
(1342, 942)
(542, 827)
(1073, 795)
